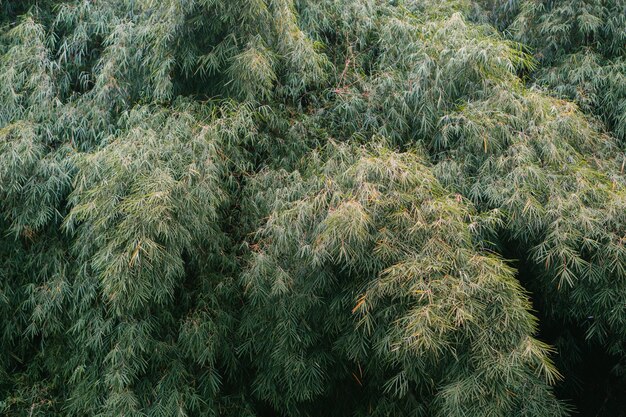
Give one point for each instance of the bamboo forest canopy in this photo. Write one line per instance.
(312, 208)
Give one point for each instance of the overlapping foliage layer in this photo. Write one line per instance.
(309, 208)
(581, 45)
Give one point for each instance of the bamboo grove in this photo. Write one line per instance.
(312, 208)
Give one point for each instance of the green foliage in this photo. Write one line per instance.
(582, 46)
(305, 208)
(367, 256)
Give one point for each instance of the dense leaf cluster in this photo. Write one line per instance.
(581, 45)
(309, 208)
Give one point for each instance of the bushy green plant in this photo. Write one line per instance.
(296, 208)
